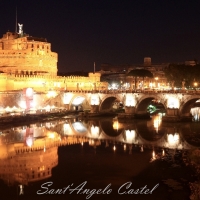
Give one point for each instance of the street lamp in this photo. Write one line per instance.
(156, 78)
(195, 85)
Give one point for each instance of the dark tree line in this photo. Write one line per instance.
(179, 73)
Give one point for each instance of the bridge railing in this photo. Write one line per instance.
(135, 91)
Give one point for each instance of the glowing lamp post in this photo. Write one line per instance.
(195, 85)
(156, 84)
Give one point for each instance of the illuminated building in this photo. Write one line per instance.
(117, 77)
(27, 61)
(23, 164)
(31, 154)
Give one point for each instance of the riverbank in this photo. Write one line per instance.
(27, 119)
(192, 158)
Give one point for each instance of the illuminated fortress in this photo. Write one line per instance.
(26, 55)
(28, 62)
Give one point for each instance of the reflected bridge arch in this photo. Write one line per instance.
(111, 128)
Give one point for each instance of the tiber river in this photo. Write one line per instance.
(137, 159)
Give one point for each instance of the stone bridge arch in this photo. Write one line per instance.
(108, 100)
(187, 104)
(79, 102)
(144, 101)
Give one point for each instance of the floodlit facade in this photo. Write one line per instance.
(28, 65)
(27, 61)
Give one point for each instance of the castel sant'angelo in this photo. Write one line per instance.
(28, 62)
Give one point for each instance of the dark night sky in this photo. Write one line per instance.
(109, 31)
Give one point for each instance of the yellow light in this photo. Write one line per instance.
(116, 125)
(114, 148)
(157, 122)
(153, 155)
(142, 148)
(163, 152)
(95, 131)
(51, 94)
(29, 92)
(51, 135)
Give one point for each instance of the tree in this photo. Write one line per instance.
(179, 73)
(140, 73)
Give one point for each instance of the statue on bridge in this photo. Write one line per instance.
(173, 85)
(183, 85)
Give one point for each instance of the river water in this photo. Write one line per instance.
(123, 159)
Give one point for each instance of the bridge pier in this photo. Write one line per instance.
(66, 106)
(130, 110)
(172, 115)
(94, 108)
(129, 113)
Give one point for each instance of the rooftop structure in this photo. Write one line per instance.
(24, 54)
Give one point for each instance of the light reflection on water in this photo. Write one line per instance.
(195, 113)
(30, 153)
(142, 132)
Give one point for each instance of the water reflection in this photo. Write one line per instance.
(23, 164)
(29, 153)
(195, 113)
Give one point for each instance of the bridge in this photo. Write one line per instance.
(177, 104)
(32, 151)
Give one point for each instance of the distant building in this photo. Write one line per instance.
(118, 73)
(190, 63)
